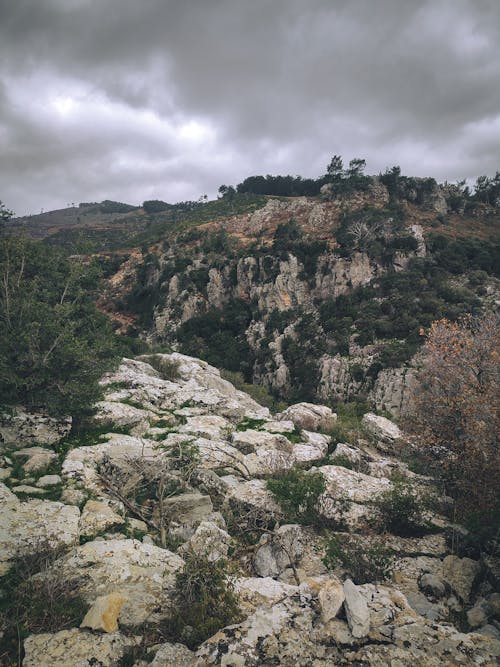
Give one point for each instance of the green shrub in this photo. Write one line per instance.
(167, 367)
(363, 564)
(204, 601)
(402, 508)
(298, 493)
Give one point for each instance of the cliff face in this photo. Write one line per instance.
(314, 299)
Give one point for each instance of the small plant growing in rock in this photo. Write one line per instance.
(364, 564)
(402, 508)
(298, 493)
(168, 368)
(204, 601)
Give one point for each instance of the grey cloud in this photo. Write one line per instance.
(278, 85)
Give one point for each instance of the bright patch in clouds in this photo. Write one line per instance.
(63, 105)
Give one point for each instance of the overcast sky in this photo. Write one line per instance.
(168, 99)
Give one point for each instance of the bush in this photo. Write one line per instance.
(402, 508)
(204, 601)
(298, 493)
(363, 564)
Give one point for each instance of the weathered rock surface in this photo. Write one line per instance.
(28, 527)
(20, 427)
(98, 516)
(381, 428)
(356, 609)
(309, 416)
(142, 573)
(208, 541)
(103, 614)
(75, 648)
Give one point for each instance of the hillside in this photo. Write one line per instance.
(317, 298)
(190, 526)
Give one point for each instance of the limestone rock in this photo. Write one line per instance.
(26, 527)
(461, 574)
(30, 428)
(208, 541)
(29, 490)
(255, 592)
(76, 648)
(38, 458)
(251, 495)
(432, 585)
(143, 573)
(103, 614)
(250, 440)
(381, 428)
(330, 597)
(123, 415)
(207, 426)
(48, 480)
(356, 609)
(309, 416)
(276, 426)
(189, 508)
(352, 454)
(98, 516)
(173, 655)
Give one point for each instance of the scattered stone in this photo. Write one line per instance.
(49, 480)
(98, 516)
(381, 428)
(29, 490)
(38, 458)
(356, 609)
(330, 597)
(103, 614)
(208, 541)
(309, 416)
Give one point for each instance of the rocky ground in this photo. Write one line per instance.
(178, 466)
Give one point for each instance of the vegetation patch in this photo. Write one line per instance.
(298, 493)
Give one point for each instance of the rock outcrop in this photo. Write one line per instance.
(208, 449)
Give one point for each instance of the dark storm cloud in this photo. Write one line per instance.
(169, 99)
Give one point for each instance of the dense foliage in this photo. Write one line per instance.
(54, 343)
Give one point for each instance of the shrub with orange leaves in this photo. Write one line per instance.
(456, 408)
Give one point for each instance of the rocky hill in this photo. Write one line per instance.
(317, 543)
(315, 298)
